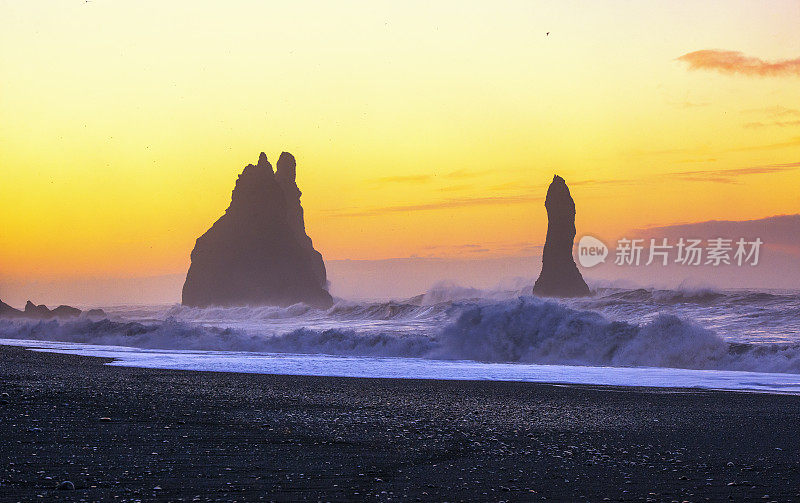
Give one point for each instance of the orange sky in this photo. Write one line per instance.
(419, 129)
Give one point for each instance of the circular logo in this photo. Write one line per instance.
(591, 251)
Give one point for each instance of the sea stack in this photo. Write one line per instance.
(560, 276)
(258, 252)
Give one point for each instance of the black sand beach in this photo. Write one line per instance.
(121, 434)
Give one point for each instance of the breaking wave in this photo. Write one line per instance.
(518, 330)
(344, 310)
(173, 334)
(351, 343)
(169, 334)
(529, 330)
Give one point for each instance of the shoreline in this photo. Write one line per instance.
(423, 369)
(215, 436)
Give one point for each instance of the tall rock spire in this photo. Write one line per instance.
(285, 174)
(560, 276)
(258, 253)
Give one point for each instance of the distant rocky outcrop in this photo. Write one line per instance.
(7, 311)
(258, 252)
(560, 276)
(70, 312)
(34, 311)
(41, 311)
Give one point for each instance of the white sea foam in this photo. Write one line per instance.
(416, 368)
(702, 330)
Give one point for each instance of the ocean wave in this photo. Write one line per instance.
(693, 296)
(168, 334)
(342, 309)
(351, 343)
(449, 292)
(634, 305)
(174, 334)
(530, 330)
(214, 314)
(385, 310)
(523, 330)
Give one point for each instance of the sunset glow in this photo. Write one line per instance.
(427, 131)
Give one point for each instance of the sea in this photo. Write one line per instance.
(741, 340)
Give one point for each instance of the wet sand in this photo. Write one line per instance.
(124, 434)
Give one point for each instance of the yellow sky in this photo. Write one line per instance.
(418, 128)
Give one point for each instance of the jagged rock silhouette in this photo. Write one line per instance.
(7, 311)
(258, 252)
(285, 174)
(560, 276)
(41, 311)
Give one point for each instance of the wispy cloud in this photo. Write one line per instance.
(756, 125)
(705, 175)
(777, 111)
(518, 186)
(489, 248)
(459, 174)
(734, 62)
(403, 179)
(794, 142)
(692, 161)
(467, 173)
(446, 204)
(453, 247)
(542, 187)
(670, 151)
(709, 175)
(617, 181)
(457, 188)
(731, 175)
(707, 150)
(688, 104)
